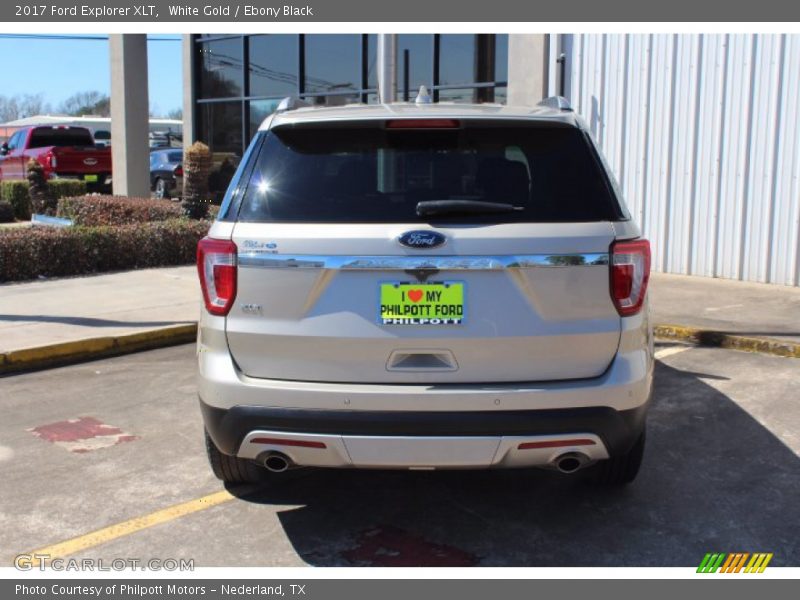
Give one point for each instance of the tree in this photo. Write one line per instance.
(87, 103)
(9, 109)
(33, 104)
(21, 106)
(175, 113)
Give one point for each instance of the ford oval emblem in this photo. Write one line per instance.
(422, 239)
(90, 161)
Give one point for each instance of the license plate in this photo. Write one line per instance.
(435, 303)
(90, 178)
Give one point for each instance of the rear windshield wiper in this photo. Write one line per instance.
(428, 208)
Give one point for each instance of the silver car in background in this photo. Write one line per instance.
(424, 286)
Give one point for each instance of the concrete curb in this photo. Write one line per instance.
(720, 339)
(63, 353)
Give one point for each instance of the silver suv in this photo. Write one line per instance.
(424, 286)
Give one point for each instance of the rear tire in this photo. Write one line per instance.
(232, 469)
(161, 191)
(620, 470)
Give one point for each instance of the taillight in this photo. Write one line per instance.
(51, 161)
(216, 265)
(178, 172)
(630, 272)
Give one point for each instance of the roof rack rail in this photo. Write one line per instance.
(291, 103)
(556, 102)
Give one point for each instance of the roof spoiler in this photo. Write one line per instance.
(557, 103)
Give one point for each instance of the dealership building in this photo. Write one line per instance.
(701, 130)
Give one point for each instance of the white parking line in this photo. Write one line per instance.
(665, 352)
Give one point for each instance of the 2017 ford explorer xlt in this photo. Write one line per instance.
(421, 287)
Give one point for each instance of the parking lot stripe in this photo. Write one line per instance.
(665, 352)
(112, 532)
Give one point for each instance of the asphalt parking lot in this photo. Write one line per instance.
(721, 473)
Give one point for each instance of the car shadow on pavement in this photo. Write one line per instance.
(713, 480)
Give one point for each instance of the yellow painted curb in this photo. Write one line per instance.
(719, 339)
(63, 353)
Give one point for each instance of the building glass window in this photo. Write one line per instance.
(457, 64)
(221, 127)
(260, 110)
(221, 68)
(501, 58)
(233, 98)
(419, 64)
(273, 68)
(333, 63)
(371, 67)
(470, 59)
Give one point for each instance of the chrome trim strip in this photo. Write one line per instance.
(266, 260)
(419, 451)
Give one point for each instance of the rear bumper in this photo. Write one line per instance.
(423, 439)
(447, 425)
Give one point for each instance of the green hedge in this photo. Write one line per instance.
(57, 252)
(6, 212)
(63, 188)
(15, 192)
(116, 210)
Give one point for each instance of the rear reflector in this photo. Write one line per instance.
(216, 266)
(423, 124)
(630, 272)
(556, 444)
(282, 442)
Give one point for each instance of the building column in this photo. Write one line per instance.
(387, 67)
(188, 58)
(130, 119)
(528, 68)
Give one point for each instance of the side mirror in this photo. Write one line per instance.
(3, 148)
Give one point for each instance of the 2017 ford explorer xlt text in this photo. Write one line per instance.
(424, 286)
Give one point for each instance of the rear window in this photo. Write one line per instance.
(371, 174)
(43, 137)
(175, 157)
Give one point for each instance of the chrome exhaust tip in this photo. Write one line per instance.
(276, 462)
(571, 462)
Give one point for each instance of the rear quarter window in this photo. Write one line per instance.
(366, 173)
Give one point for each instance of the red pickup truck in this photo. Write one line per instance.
(64, 151)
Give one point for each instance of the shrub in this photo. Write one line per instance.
(6, 212)
(58, 252)
(15, 192)
(116, 210)
(41, 197)
(65, 188)
(196, 169)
